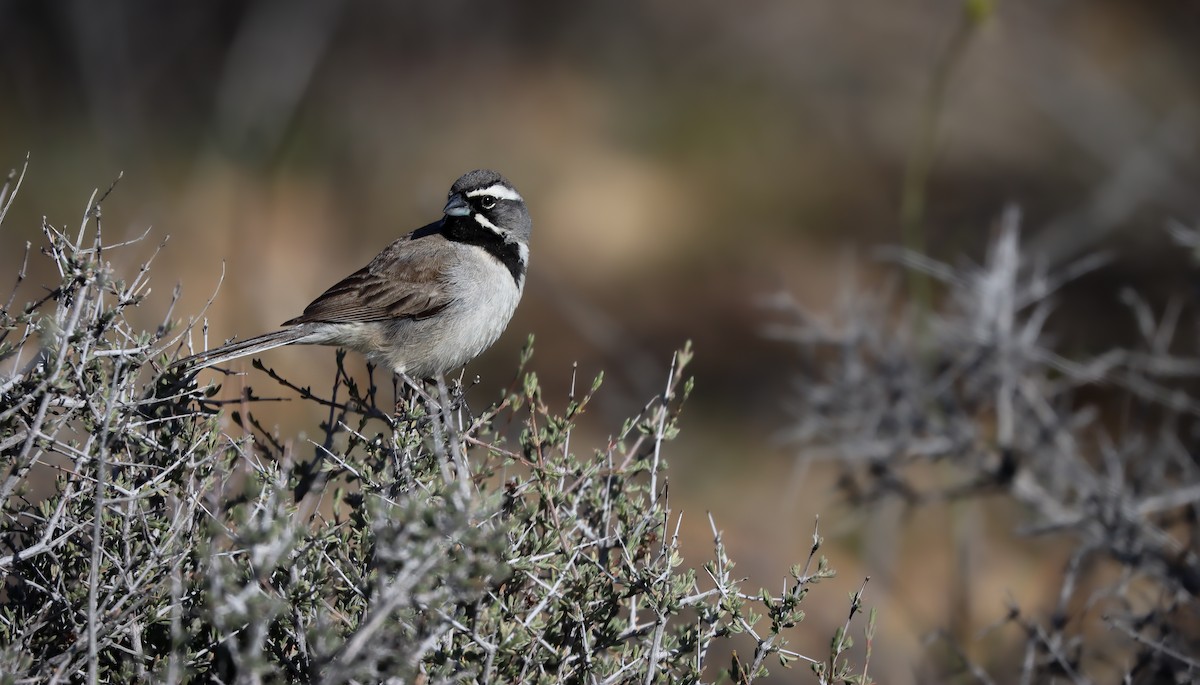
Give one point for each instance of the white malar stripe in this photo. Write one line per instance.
(482, 221)
(498, 191)
(523, 251)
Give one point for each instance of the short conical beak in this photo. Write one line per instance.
(456, 206)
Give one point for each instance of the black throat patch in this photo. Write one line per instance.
(464, 229)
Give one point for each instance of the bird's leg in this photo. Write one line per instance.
(396, 396)
(407, 390)
(458, 397)
(411, 395)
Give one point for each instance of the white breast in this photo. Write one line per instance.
(485, 297)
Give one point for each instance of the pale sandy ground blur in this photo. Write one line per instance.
(680, 159)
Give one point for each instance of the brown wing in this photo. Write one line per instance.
(406, 280)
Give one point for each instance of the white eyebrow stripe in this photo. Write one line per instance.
(482, 221)
(498, 191)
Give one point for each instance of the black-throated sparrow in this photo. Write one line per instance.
(431, 301)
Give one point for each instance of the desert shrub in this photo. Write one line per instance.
(973, 402)
(140, 540)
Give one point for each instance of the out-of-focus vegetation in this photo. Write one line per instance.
(973, 408)
(681, 160)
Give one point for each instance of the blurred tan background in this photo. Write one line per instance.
(680, 159)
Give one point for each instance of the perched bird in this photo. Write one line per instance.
(431, 301)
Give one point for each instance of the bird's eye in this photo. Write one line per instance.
(487, 201)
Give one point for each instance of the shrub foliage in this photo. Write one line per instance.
(151, 532)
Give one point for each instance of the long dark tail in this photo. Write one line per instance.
(242, 348)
